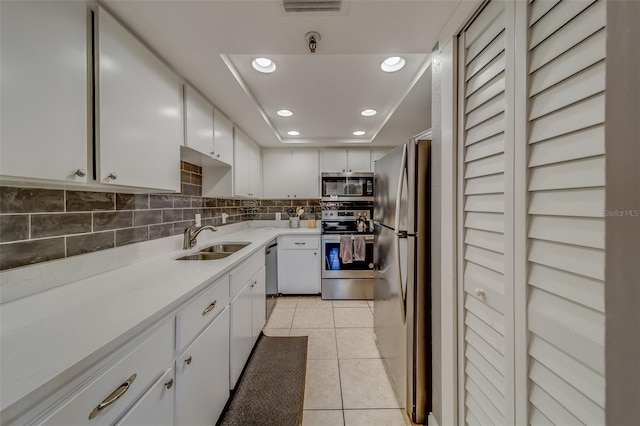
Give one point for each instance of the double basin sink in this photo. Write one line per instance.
(216, 251)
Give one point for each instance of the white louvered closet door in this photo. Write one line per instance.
(566, 167)
(486, 152)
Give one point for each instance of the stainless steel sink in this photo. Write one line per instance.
(224, 248)
(204, 256)
(216, 251)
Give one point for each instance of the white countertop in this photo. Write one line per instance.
(48, 338)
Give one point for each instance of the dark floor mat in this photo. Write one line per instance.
(271, 389)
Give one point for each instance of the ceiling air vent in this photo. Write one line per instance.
(312, 5)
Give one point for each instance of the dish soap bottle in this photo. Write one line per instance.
(312, 218)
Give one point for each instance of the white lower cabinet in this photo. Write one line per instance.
(105, 398)
(178, 371)
(258, 304)
(299, 264)
(201, 375)
(156, 407)
(248, 316)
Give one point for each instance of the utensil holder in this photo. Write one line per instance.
(294, 222)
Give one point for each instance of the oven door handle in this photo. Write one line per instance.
(368, 238)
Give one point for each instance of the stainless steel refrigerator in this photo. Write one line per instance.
(402, 286)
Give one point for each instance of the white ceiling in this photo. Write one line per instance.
(326, 90)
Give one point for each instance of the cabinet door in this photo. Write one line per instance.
(241, 164)
(202, 372)
(241, 333)
(222, 138)
(359, 160)
(305, 182)
(255, 171)
(44, 90)
(376, 154)
(277, 166)
(299, 272)
(139, 102)
(258, 303)
(334, 160)
(156, 407)
(199, 121)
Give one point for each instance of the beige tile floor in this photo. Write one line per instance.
(346, 384)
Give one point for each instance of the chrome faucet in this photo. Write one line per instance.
(191, 235)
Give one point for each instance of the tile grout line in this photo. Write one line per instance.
(335, 333)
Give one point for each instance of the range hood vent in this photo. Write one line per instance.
(312, 5)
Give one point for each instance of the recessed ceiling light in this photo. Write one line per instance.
(293, 133)
(358, 133)
(369, 112)
(263, 65)
(285, 113)
(392, 64)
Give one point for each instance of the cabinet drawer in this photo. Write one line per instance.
(129, 378)
(301, 242)
(156, 407)
(244, 272)
(200, 311)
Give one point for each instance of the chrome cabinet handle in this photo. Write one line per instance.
(169, 384)
(299, 244)
(188, 360)
(81, 173)
(113, 397)
(112, 176)
(209, 308)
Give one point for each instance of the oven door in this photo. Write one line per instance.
(332, 266)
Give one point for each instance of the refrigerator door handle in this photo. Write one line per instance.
(403, 168)
(402, 293)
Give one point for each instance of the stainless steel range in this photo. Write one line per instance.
(347, 252)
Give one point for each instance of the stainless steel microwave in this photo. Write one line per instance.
(346, 186)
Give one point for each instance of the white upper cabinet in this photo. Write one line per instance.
(290, 173)
(247, 170)
(346, 160)
(44, 90)
(255, 171)
(222, 138)
(276, 167)
(359, 160)
(199, 126)
(334, 160)
(376, 154)
(305, 181)
(139, 112)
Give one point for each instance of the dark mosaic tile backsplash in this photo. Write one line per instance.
(37, 225)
